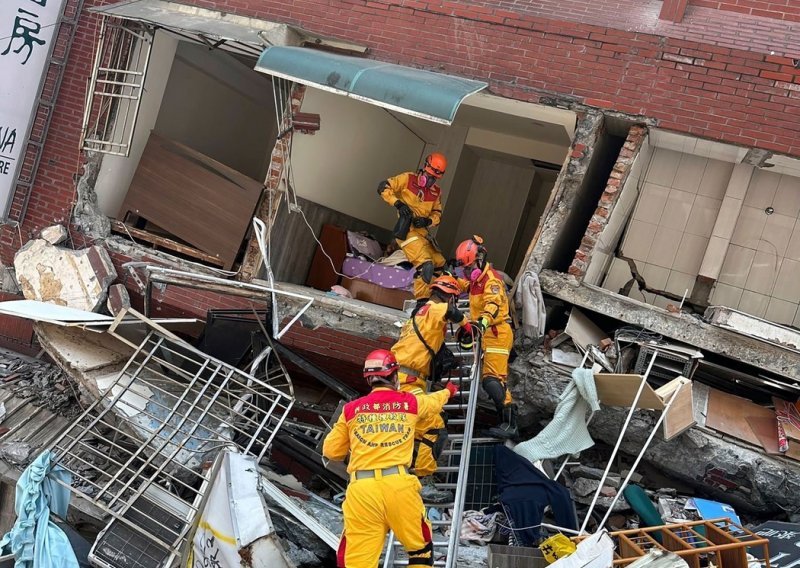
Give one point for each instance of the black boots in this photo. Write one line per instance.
(507, 429)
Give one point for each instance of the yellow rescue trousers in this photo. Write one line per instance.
(426, 432)
(497, 343)
(372, 507)
(419, 250)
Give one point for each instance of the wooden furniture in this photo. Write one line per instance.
(720, 541)
(374, 294)
(194, 198)
(322, 275)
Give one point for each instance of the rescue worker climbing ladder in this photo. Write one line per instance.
(377, 431)
(418, 201)
(489, 310)
(421, 337)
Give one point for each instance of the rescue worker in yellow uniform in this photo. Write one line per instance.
(418, 201)
(489, 311)
(377, 430)
(420, 339)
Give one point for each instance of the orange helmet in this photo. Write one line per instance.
(446, 284)
(468, 251)
(435, 165)
(380, 363)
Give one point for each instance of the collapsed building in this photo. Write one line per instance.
(640, 159)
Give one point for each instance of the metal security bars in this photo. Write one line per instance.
(116, 86)
(142, 451)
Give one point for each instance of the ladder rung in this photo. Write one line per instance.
(436, 543)
(405, 563)
(445, 486)
(447, 468)
(456, 421)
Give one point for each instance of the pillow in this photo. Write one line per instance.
(364, 245)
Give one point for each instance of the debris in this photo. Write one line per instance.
(715, 510)
(502, 556)
(569, 359)
(659, 559)
(118, 299)
(595, 551)
(752, 326)
(54, 234)
(74, 278)
(612, 480)
(673, 510)
(40, 383)
(16, 453)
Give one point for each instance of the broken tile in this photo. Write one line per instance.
(703, 216)
(73, 278)
(678, 283)
(618, 275)
(655, 276)
(54, 234)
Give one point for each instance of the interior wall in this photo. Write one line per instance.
(116, 172)
(672, 223)
(358, 145)
(495, 204)
(220, 107)
(761, 270)
(462, 177)
(542, 186)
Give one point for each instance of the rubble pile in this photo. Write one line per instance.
(40, 383)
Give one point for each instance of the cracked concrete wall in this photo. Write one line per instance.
(718, 468)
(569, 188)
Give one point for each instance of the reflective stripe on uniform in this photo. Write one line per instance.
(497, 350)
(411, 240)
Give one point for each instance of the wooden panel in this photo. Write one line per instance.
(766, 431)
(196, 199)
(323, 272)
(728, 414)
(681, 414)
(792, 431)
(620, 390)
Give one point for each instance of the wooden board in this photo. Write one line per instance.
(196, 199)
(681, 414)
(766, 431)
(620, 390)
(729, 414)
(792, 432)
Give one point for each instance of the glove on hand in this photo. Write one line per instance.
(404, 209)
(465, 336)
(421, 222)
(452, 388)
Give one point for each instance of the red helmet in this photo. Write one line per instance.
(380, 363)
(446, 284)
(435, 165)
(468, 251)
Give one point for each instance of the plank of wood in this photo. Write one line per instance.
(792, 431)
(620, 390)
(169, 244)
(681, 414)
(198, 200)
(728, 414)
(766, 431)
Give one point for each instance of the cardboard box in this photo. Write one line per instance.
(374, 294)
(501, 556)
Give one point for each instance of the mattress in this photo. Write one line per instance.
(385, 276)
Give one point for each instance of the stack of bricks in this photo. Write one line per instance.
(616, 181)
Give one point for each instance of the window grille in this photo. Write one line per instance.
(116, 85)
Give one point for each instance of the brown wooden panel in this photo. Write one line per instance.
(322, 274)
(620, 390)
(681, 414)
(196, 199)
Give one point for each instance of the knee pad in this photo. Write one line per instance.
(425, 271)
(496, 391)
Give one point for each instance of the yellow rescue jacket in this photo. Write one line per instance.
(378, 429)
(423, 201)
(487, 297)
(431, 320)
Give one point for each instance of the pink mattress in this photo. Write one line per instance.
(384, 276)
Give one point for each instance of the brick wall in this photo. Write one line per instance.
(779, 9)
(609, 198)
(741, 96)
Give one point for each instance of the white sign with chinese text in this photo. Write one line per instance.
(27, 29)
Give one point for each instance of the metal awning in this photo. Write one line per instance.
(433, 96)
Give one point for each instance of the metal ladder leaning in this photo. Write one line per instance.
(461, 410)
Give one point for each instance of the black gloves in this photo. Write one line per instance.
(421, 222)
(405, 210)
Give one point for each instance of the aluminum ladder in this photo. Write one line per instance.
(461, 411)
